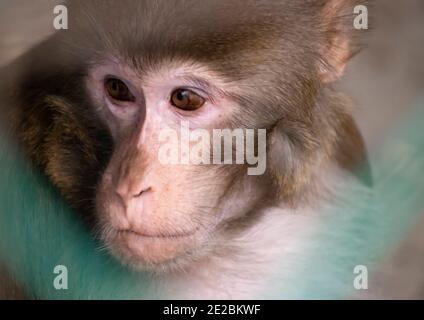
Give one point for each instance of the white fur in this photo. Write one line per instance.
(270, 252)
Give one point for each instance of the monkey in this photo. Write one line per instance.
(87, 105)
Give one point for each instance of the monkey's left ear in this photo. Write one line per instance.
(339, 39)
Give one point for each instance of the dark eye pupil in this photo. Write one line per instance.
(118, 90)
(180, 95)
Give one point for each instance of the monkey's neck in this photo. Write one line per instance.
(243, 267)
(247, 265)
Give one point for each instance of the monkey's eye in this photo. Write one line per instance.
(186, 100)
(118, 90)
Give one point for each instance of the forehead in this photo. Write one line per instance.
(231, 37)
(215, 26)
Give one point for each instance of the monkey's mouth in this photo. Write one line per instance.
(143, 251)
(129, 232)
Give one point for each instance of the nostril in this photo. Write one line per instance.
(142, 192)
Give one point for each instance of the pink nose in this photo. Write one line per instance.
(126, 191)
(133, 206)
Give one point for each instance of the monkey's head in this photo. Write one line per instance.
(99, 95)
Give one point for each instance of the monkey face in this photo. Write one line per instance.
(153, 213)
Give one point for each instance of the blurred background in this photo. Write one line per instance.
(386, 81)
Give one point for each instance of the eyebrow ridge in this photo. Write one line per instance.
(204, 85)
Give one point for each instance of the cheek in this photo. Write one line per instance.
(183, 196)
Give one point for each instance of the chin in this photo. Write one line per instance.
(156, 254)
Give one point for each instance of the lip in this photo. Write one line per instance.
(147, 251)
(175, 236)
(144, 250)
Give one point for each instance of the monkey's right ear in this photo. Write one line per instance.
(339, 38)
